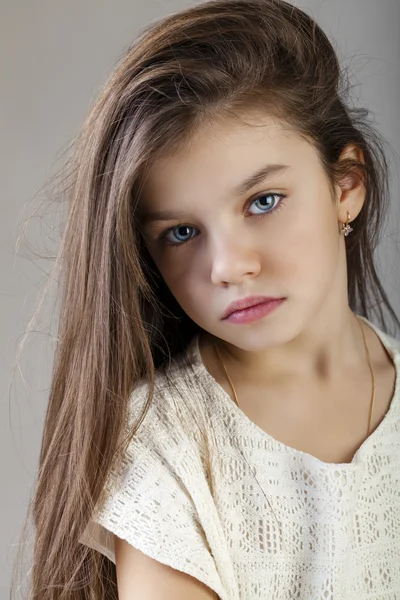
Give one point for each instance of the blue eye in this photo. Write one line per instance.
(269, 205)
(180, 233)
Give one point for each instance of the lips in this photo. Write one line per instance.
(247, 303)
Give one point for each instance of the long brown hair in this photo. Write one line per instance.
(118, 321)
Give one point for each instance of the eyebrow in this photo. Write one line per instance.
(266, 172)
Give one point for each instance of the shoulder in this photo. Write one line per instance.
(176, 407)
(165, 443)
(390, 343)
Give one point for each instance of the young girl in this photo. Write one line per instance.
(224, 418)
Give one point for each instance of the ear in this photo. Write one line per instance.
(351, 188)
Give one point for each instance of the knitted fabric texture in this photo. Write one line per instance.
(206, 491)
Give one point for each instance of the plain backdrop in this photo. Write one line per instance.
(55, 55)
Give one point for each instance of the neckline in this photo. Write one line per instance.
(213, 386)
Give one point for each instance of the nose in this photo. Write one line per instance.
(233, 261)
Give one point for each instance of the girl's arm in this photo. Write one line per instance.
(140, 577)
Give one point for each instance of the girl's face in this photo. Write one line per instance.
(216, 240)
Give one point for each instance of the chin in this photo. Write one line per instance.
(258, 338)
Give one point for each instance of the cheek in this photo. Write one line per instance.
(304, 250)
(181, 274)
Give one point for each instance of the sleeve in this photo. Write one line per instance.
(148, 501)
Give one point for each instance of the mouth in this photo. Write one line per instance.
(251, 308)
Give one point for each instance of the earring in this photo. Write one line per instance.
(346, 229)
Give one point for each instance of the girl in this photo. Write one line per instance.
(224, 418)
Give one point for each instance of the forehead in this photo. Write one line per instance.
(223, 153)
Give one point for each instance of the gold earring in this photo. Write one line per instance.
(346, 229)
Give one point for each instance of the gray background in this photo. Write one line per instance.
(54, 57)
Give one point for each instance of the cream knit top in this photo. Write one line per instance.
(206, 491)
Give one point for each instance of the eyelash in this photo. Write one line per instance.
(163, 236)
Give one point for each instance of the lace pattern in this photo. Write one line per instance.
(205, 491)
